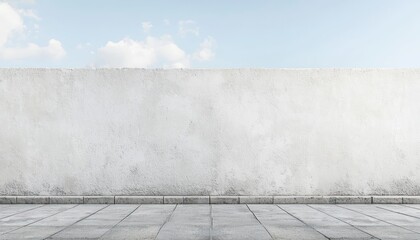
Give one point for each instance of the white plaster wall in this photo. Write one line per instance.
(209, 132)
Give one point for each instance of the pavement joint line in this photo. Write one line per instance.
(166, 221)
(259, 221)
(300, 220)
(343, 221)
(211, 221)
(411, 206)
(397, 212)
(379, 219)
(49, 237)
(35, 207)
(38, 220)
(119, 221)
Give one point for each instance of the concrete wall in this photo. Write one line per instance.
(209, 132)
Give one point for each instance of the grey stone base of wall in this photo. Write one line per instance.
(209, 199)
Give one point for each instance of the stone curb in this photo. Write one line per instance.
(319, 200)
(224, 199)
(353, 199)
(7, 199)
(66, 200)
(173, 199)
(196, 200)
(411, 199)
(138, 199)
(99, 199)
(32, 199)
(387, 199)
(288, 199)
(256, 199)
(209, 199)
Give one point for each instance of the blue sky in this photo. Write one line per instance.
(210, 34)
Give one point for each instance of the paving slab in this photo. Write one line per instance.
(282, 225)
(51, 225)
(394, 218)
(29, 217)
(144, 223)
(187, 222)
(390, 233)
(71, 216)
(328, 226)
(31, 232)
(236, 222)
(417, 206)
(142, 232)
(9, 210)
(402, 209)
(372, 226)
(98, 224)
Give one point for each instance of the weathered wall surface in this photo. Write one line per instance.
(209, 132)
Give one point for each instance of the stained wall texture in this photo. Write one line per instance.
(209, 132)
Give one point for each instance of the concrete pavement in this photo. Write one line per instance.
(209, 221)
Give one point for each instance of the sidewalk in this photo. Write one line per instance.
(253, 221)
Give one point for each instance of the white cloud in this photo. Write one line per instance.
(29, 13)
(152, 52)
(53, 50)
(11, 23)
(28, 2)
(186, 27)
(205, 52)
(146, 26)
